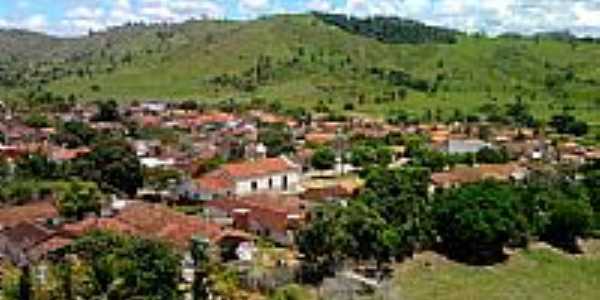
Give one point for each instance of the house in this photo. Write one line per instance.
(272, 175)
(155, 107)
(158, 222)
(464, 146)
(274, 217)
(27, 242)
(39, 212)
(461, 175)
(60, 154)
(331, 189)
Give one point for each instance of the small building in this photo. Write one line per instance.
(28, 242)
(268, 175)
(461, 175)
(274, 217)
(460, 146)
(42, 212)
(158, 222)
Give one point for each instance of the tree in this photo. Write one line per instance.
(200, 254)
(591, 182)
(518, 111)
(108, 111)
(123, 267)
(370, 154)
(569, 219)
(37, 120)
(476, 221)
(5, 170)
(79, 198)
(323, 159)
(401, 198)
(567, 124)
(489, 155)
(75, 134)
(320, 241)
(39, 167)
(113, 165)
(277, 138)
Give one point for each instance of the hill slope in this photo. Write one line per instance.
(302, 60)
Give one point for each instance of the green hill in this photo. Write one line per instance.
(309, 61)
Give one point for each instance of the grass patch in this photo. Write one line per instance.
(529, 274)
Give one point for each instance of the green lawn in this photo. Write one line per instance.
(529, 274)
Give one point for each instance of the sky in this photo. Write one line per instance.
(77, 17)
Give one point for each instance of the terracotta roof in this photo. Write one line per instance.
(64, 154)
(465, 174)
(94, 223)
(52, 244)
(35, 212)
(214, 182)
(26, 235)
(270, 211)
(157, 221)
(261, 167)
(319, 138)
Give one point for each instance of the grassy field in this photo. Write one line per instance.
(334, 68)
(531, 274)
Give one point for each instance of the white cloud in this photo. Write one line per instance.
(83, 12)
(35, 23)
(319, 5)
(254, 5)
(492, 16)
(4, 23)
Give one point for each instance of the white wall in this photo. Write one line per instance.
(244, 187)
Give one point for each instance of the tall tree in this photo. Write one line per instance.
(476, 221)
(113, 165)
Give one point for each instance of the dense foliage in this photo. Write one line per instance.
(391, 29)
(277, 138)
(475, 222)
(323, 159)
(118, 267)
(75, 134)
(113, 165)
(568, 124)
(366, 154)
(77, 199)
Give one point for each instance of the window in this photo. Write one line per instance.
(284, 183)
(254, 185)
(270, 183)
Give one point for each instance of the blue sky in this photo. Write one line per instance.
(75, 17)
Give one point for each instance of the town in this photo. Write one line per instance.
(238, 201)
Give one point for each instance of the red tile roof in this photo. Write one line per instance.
(94, 223)
(270, 211)
(215, 182)
(64, 154)
(35, 212)
(319, 138)
(464, 174)
(157, 221)
(52, 244)
(257, 168)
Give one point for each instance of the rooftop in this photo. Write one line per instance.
(257, 168)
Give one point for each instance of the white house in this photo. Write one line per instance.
(267, 175)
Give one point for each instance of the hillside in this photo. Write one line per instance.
(306, 60)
